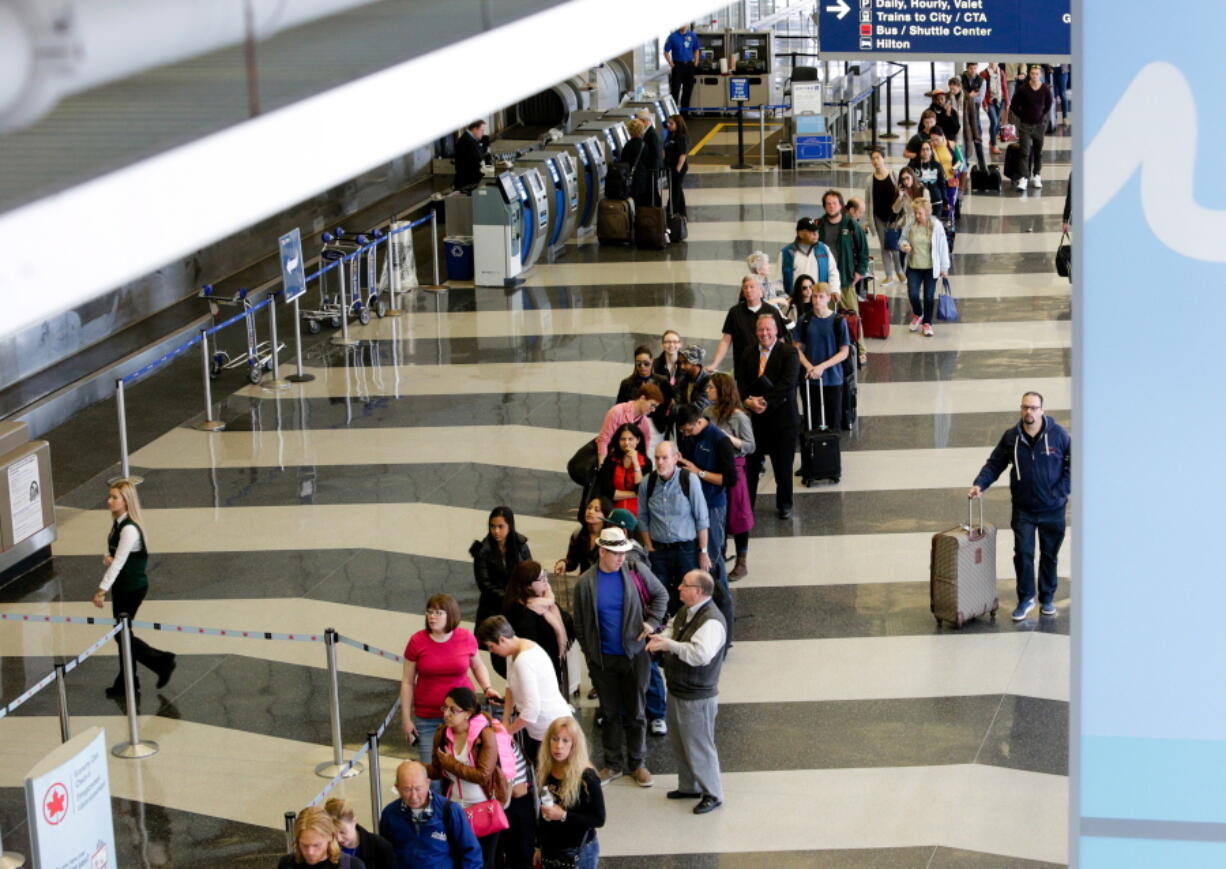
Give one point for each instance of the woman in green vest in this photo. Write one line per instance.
(126, 560)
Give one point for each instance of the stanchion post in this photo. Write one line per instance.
(125, 472)
(873, 109)
(889, 109)
(376, 787)
(393, 271)
(61, 693)
(208, 423)
(10, 859)
(298, 376)
(343, 338)
(134, 748)
(329, 769)
(762, 137)
(273, 347)
(434, 246)
(932, 71)
(906, 97)
(290, 817)
(740, 138)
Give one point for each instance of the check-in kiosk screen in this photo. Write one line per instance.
(507, 183)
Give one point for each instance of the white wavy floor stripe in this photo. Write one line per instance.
(1016, 334)
(968, 242)
(865, 559)
(601, 378)
(971, 806)
(807, 200)
(729, 273)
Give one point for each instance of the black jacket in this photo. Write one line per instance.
(777, 384)
(375, 851)
(492, 573)
(469, 155)
(628, 390)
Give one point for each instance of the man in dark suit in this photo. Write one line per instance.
(470, 148)
(768, 374)
(653, 152)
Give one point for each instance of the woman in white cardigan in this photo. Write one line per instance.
(923, 241)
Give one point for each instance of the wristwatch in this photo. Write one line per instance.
(702, 475)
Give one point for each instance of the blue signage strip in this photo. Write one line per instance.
(1148, 718)
(949, 29)
(738, 89)
(293, 268)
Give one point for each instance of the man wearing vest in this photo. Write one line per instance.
(692, 646)
(808, 256)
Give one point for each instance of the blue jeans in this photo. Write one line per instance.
(670, 565)
(426, 728)
(656, 705)
(993, 121)
(589, 854)
(1061, 89)
(1049, 528)
(922, 278)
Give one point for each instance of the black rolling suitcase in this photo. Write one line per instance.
(985, 180)
(651, 223)
(820, 458)
(678, 226)
(1014, 170)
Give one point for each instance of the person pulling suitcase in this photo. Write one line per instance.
(1039, 450)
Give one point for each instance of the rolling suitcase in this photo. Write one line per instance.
(651, 228)
(985, 180)
(963, 571)
(615, 221)
(875, 316)
(820, 458)
(1014, 170)
(678, 226)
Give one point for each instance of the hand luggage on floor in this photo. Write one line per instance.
(1064, 258)
(678, 225)
(1014, 170)
(615, 221)
(875, 316)
(947, 305)
(985, 180)
(819, 448)
(962, 583)
(651, 228)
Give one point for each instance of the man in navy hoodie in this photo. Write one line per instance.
(425, 828)
(1039, 451)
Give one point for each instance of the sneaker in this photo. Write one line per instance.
(1036, 181)
(1048, 609)
(607, 775)
(927, 330)
(1021, 184)
(915, 323)
(642, 777)
(1023, 609)
(658, 727)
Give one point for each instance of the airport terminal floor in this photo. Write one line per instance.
(853, 732)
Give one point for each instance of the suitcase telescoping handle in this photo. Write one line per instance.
(821, 397)
(975, 533)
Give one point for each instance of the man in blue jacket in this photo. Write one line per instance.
(425, 828)
(1040, 452)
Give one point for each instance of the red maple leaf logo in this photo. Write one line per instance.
(55, 803)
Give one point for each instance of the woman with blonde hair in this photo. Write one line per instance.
(356, 841)
(316, 843)
(127, 561)
(572, 803)
(760, 264)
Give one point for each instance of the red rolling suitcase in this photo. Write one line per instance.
(875, 315)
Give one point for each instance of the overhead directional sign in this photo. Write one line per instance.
(995, 30)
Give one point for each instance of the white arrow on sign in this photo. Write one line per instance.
(841, 8)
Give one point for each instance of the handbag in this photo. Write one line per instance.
(892, 236)
(486, 818)
(947, 305)
(1064, 258)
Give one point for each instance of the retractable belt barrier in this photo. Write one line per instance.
(368, 648)
(67, 667)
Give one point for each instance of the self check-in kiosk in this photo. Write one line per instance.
(754, 56)
(656, 107)
(498, 230)
(535, 197)
(710, 89)
(558, 173)
(614, 133)
(588, 158)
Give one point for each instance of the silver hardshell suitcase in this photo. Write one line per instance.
(963, 579)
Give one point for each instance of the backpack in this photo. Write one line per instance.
(619, 180)
(653, 477)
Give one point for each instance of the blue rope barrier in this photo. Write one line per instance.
(178, 351)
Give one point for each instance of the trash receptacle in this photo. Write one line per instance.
(460, 261)
(787, 157)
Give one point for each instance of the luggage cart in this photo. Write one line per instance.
(353, 284)
(258, 356)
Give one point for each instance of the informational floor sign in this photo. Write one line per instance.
(807, 98)
(25, 497)
(293, 269)
(738, 89)
(996, 30)
(400, 256)
(68, 804)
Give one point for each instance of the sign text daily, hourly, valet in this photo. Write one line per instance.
(958, 28)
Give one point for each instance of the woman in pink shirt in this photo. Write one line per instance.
(436, 660)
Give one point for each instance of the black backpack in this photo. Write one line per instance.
(619, 181)
(654, 477)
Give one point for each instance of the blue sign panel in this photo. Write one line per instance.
(293, 268)
(945, 29)
(814, 148)
(738, 89)
(1148, 758)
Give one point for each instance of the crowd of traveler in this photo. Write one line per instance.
(507, 780)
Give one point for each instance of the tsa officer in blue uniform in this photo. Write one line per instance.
(680, 49)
